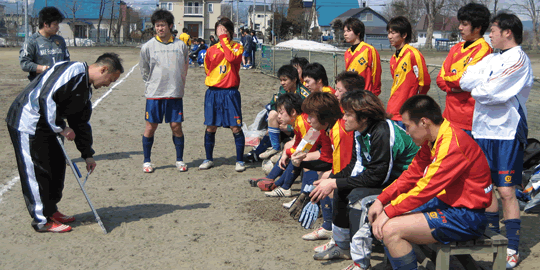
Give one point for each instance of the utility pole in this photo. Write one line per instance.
(253, 16)
(25, 20)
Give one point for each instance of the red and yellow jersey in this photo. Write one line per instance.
(460, 106)
(328, 89)
(409, 72)
(453, 169)
(342, 144)
(365, 60)
(222, 64)
(301, 127)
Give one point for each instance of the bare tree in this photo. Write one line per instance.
(433, 9)
(411, 9)
(111, 20)
(71, 9)
(103, 4)
(531, 9)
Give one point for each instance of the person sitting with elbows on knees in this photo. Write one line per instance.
(443, 194)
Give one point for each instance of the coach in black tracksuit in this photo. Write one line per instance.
(35, 119)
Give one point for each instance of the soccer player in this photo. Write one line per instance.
(381, 152)
(164, 64)
(44, 48)
(248, 47)
(473, 22)
(441, 197)
(500, 84)
(255, 44)
(407, 66)
(299, 63)
(347, 81)
(362, 57)
(315, 78)
(185, 37)
(222, 102)
(290, 83)
(36, 118)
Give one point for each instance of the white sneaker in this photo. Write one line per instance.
(268, 153)
(207, 164)
(288, 205)
(148, 167)
(318, 234)
(334, 252)
(240, 166)
(275, 158)
(321, 248)
(355, 266)
(279, 192)
(512, 259)
(181, 166)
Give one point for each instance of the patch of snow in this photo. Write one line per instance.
(308, 45)
(83, 42)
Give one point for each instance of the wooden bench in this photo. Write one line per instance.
(490, 242)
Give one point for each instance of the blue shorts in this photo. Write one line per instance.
(172, 109)
(450, 224)
(246, 53)
(505, 158)
(222, 107)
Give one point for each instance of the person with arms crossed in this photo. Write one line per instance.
(36, 118)
(443, 194)
(473, 22)
(222, 102)
(407, 66)
(362, 57)
(44, 48)
(500, 84)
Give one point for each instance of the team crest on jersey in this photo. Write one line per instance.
(361, 61)
(404, 67)
(454, 71)
(57, 42)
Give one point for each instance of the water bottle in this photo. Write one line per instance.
(308, 141)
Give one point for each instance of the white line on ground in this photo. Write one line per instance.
(15, 179)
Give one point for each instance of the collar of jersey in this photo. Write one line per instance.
(171, 39)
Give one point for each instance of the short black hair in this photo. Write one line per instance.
(299, 61)
(290, 102)
(507, 21)
(315, 71)
(49, 15)
(111, 60)
(162, 15)
(201, 40)
(420, 106)
(401, 25)
(351, 80)
(356, 26)
(477, 14)
(184, 30)
(288, 71)
(227, 23)
(364, 104)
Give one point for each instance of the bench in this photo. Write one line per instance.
(490, 242)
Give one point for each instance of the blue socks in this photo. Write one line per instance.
(407, 262)
(209, 142)
(493, 221)
(512, 233)
(273, 133)
(147, 147)
(308, 178)
(326, 206)
(179, 145)
(263, 145)
(240, 142)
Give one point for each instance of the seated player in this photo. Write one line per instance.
(382, 151)
(315, 78)
(290, 83)
(443, 194)
(299, 63)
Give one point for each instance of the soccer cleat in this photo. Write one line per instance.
(240, 166)
(181, 166)
(266, 185)
(254, 181)
(333, 252)
(148, 167)
(279, 192)
(61, 218)
(318, 234)
(512, 260)
(207, 164)
(288, 205)
(275, 158)
(268, 153)
(321, 248)
(55, 227)
(355, 266)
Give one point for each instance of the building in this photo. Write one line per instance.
(198, 16)
(445, 29)
(374, 22)
(260, 19)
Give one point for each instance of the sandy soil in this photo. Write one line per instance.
(165, 220)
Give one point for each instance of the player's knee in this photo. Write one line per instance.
(390, 231)
(507, 193)
(212, 129)
(236, 129)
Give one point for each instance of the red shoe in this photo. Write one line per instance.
(54, 226)
(61, 218)
(254, 181)
(266, 185)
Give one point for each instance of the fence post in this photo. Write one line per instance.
(335, 65)
(291, 52)
(274, 60)
(309, 56)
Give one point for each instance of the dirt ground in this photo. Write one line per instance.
(165, 220)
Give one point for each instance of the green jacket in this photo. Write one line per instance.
(300, 89)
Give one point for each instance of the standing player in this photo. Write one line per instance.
(164, 65)
(473, 22)
(44, 48)
(362, 57)
(36, 118)
(407, 66)
(222, 102)
(500, 84)
(185, 37)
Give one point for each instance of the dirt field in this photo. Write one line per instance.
(166, 220)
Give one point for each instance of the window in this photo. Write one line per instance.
(369, 17)
(260, 16)
(163, 5)
(167, 6)
(257, 26)
(210, 7)
(170, 6)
